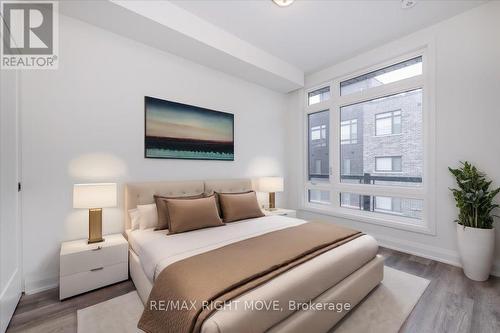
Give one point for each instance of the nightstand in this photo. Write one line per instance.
(281, 212)
(85, 267)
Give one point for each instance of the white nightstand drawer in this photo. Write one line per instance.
(98, 277)
(94, 257)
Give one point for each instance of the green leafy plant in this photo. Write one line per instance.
(473, 197)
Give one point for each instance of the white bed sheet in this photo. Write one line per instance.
(156, 250)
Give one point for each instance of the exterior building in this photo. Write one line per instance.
(382, 143)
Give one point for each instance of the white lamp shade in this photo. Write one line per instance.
(94, 195)
(270, 184)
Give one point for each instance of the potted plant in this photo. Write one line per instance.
(475, 232)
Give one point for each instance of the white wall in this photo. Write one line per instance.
(84, 123)
(467, 110)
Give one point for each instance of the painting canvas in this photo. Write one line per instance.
(181, 131)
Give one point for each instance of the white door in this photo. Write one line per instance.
(10, 221)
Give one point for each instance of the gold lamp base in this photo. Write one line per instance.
(95, 225)
(272, 201)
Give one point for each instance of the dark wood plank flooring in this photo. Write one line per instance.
(452, 303)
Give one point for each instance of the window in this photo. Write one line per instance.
(388, 204)
(394, 73)
(376, 122)
(346, 167)
(350, 200)
(318, 167)
(396, 206)
(383, 203)
(318, 96)
(319, 197)
(388, 164)
(349, 132)
(318, 124)
(388, 123)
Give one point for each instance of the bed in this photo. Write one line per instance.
(346, 273)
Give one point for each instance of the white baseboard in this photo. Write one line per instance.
(418, 249)
(428, 251)
(9, 297)
(36, 286)
(446, 256)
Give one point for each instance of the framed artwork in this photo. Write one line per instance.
(180, 131)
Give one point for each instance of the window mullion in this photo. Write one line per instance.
(317, 107)
(336, 144)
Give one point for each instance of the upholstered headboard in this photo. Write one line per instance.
(142, 193)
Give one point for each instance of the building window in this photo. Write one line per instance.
(388, 204)
(369, 143)
(318, 167)
(318, 96)
(319, 197)
(388, 123)
(349, 132)
(318, 124)
(346, 167)
(318, 134)
(388, 164)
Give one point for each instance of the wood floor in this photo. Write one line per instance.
(451, 303)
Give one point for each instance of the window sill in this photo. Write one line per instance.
(396, 222)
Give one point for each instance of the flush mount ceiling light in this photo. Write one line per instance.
(283, 3)
(405, 4)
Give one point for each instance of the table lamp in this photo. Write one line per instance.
(271, 185)
(94, 197)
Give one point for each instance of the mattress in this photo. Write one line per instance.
(302, 283)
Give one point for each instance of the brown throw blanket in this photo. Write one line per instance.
(225, 273)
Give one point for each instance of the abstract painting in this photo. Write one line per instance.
(181, 131)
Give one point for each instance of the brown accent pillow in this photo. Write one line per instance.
(217, 200)
(161, 208)
(187, 215)
(239, 206)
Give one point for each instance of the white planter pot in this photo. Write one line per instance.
(476, 247)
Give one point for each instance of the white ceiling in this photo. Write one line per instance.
(312, 34)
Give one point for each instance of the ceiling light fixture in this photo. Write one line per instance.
(405, 4)
(283, 3)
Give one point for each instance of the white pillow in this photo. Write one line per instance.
(135, 216)
(148, 216)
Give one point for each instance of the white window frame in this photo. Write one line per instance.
(425, 192)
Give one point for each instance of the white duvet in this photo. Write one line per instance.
(156, 250)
